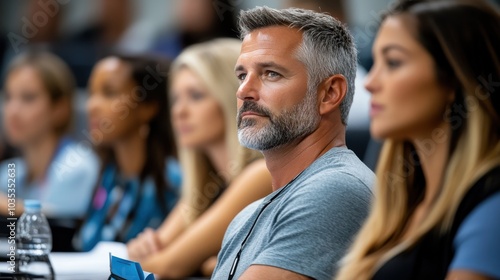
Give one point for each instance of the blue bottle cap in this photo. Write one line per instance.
(32, 204)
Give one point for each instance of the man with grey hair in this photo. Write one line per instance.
(296, 70)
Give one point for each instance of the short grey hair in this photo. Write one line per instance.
(327, 46)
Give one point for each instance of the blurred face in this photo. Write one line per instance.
(407, 100)
(274, 107)
(196, 15)
(28, 111)
(197, 118)
(114, 106)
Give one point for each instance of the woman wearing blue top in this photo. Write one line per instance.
(436, 102)
(129, 125)
(37, 113)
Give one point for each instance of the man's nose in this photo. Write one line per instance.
(249, 88)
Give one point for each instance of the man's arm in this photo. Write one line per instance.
(256, 272)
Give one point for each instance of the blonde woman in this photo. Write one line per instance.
(435, 101)
(220, 177)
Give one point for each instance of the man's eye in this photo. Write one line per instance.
(272, 74)
(241, 77)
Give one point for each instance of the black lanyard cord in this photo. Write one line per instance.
(238, 255)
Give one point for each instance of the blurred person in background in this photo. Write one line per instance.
(339, 9)
(37, 114)
(220, 176)
(436, 103)
(130, 128)
(36, 29)
(110, 33)
(109, 28)
(198, 21)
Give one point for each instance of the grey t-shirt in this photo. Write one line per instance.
(309, 226)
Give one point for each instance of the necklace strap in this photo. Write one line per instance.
(264, 206)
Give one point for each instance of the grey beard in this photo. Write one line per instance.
(290, 125)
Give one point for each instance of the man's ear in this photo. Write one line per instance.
(332, 92)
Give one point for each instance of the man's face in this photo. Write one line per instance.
(274, 107)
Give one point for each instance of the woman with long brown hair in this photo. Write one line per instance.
(435, 102)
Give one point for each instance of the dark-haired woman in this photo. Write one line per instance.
(129, 124)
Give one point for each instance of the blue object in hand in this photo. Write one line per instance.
(122, 269)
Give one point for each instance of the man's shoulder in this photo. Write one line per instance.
(336, 186)
(243, 216)
(249, 210)
(339, 169)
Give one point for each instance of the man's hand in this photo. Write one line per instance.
(144, 245)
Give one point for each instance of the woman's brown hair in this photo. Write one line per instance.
(462, 38)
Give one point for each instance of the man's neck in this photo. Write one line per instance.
(286, 162)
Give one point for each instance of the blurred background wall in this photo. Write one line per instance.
(83, 31)
(148, 18)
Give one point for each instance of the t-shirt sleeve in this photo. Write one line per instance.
(316, 226)
(477, 243)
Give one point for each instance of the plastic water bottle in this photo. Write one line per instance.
(34, 241)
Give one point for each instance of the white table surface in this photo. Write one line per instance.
(84, 266)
